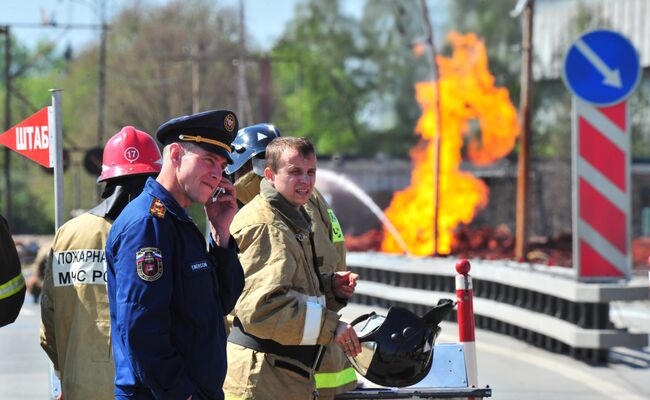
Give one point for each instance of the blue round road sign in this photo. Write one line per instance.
(601, 67)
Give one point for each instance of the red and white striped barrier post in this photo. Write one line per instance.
(464, 296)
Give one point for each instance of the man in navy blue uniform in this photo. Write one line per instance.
(168, 295)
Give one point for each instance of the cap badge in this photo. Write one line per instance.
(229, 123)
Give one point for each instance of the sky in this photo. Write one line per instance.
(25, 17)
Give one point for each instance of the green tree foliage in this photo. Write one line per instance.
(323, 43)
(152, 52)
(346, 82)
(149, 80)
(639, 103)
(350, 85)
(149, 71)
(551, 121)
(389, 30)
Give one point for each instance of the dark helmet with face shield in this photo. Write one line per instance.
(251, 143)
(397, 349)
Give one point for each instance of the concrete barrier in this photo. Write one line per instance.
(544, 306)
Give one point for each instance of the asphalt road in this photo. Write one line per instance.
(513, 369)
(23, 364)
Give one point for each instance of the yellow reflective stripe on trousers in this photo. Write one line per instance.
(12, 287)
(326, 380)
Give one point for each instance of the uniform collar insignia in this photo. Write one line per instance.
(157, 208)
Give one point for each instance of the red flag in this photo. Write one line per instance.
(31, 138)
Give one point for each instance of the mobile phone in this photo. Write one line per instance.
(217, 191)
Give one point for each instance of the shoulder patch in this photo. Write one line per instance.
(149, 263)
(337, 232)
(157, 208)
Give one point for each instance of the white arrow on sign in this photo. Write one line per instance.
(612, 76)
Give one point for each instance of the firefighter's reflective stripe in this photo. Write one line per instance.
(308, 299)
(328, 380)
(12, 287)
(337, 232)
(313, 316)
(87, 266)
(311, 330)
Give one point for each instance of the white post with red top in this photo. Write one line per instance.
(464, 296)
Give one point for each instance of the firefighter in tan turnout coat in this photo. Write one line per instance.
(75, 326)
(335, 374)
(286, 316)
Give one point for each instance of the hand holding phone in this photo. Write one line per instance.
(220, 209)
(217, 191)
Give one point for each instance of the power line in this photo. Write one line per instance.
(53, 25)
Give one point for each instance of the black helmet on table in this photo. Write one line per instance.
(251, 142)
(397, 350)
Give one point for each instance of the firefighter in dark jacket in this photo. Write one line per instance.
(168, 295)
(75, 323)
(12, 283)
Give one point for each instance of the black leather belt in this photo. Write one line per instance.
(307, 355)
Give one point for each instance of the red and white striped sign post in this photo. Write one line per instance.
(601, 69)
(601, 191)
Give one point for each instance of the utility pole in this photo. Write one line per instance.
(523, 170)
(101, 103)
(435, 76)
(7, 167)
(242, 89)
(265, 89)
(101, 85)
(196, 80)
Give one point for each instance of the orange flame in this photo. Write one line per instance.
(467, 93)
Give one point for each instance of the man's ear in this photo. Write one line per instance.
(175, 153)
(268, 174)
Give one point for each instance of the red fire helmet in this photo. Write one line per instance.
(130, 152)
